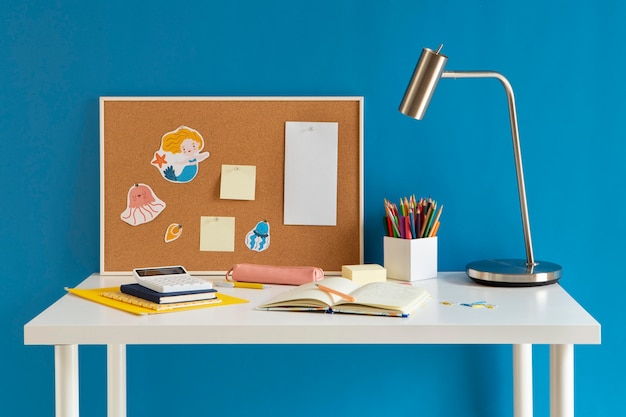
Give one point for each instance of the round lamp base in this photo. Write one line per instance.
(513, 273)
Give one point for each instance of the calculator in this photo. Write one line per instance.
(166, 279)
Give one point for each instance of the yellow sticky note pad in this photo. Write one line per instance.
(364, 274)
(238, 182)
(217, 234)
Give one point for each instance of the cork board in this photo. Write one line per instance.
(236, 131)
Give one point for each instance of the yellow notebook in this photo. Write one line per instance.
(112, 297)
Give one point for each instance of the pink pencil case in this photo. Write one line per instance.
(266, 274)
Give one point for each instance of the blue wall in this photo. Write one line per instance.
(564, 62)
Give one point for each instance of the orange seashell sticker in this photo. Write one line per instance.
(173, 232)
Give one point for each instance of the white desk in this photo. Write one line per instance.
(523, 317)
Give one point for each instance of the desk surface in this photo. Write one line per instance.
(536, 315)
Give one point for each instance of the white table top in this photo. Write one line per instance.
(536, 315)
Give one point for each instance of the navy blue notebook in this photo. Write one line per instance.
(171, 297)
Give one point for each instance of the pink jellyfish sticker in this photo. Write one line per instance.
(142, 205)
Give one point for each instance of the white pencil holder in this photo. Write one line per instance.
(410, 259)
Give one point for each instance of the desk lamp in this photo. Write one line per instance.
(496, 272)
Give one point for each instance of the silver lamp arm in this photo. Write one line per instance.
(530, 259)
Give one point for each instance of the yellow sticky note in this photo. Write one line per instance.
(238, 182)
(364, 274)
(217, 234)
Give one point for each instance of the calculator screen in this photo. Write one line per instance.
(151, 272)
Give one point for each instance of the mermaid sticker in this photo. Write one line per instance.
(180, 153)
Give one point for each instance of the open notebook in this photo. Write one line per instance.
(376, 298)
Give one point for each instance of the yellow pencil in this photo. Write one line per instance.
(433, 232)
(436, 223)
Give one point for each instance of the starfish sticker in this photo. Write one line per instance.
(159, 160)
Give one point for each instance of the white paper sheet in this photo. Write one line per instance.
(311, 154)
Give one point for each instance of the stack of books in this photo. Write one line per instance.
(136, 299)
(141, 296)
(138, 290)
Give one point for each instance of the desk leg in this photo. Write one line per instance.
(66, 380)
(116, 380)
(561, 380)
(523, 380)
